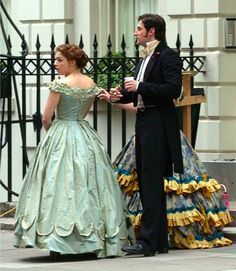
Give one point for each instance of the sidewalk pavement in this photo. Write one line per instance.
(216, 259)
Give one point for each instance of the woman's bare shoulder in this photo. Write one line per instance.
(87, 82)
(82, 81)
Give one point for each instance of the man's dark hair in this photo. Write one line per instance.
(154, 21)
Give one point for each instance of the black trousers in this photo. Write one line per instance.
(152, 160)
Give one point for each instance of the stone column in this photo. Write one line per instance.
(205, 20)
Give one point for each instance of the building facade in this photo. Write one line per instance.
(210, 22)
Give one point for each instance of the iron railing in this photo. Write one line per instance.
(106, 71)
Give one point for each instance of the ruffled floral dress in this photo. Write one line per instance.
(70, 200)
(196, 210)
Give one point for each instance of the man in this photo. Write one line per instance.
(157, 82)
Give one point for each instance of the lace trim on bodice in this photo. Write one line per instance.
(80, 93)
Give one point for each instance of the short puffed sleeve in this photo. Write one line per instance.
(82, 93)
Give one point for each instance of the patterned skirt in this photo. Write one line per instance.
(196, 210)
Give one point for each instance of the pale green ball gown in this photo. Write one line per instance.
(70, 200)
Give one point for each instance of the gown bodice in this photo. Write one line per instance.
(74, 102)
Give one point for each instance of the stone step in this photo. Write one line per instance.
(230, 233)
(6, 223)
(224, 171)
(7, 209)
(232, 209)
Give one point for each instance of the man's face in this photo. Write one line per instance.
(142, 35)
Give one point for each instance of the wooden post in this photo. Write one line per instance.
(186, 101)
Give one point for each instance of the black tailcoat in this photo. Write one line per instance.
(158, 145)
(162, 83)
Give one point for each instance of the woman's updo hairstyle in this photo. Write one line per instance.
(73, 52)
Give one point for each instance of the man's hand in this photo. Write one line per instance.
(115, 94)
(131, 85)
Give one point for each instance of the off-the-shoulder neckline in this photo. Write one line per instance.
(73, 88)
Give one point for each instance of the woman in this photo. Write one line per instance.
(70, 202)
(196, 211)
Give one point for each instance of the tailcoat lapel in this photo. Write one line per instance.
(154, 58)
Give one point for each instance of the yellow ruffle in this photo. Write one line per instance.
(128, 183)
(136, 221)
(184, 218)
(219, 219)
(191, 243)
(207, 185)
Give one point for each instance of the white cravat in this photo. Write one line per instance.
(149, 48)
(140, 79)
(146, 53)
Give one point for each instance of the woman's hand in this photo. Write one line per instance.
(104, 95)
(113, 96)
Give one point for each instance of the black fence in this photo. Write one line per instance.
(107, 70)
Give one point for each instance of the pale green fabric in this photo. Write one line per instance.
(70, 200)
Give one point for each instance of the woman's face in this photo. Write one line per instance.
(62, 64)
